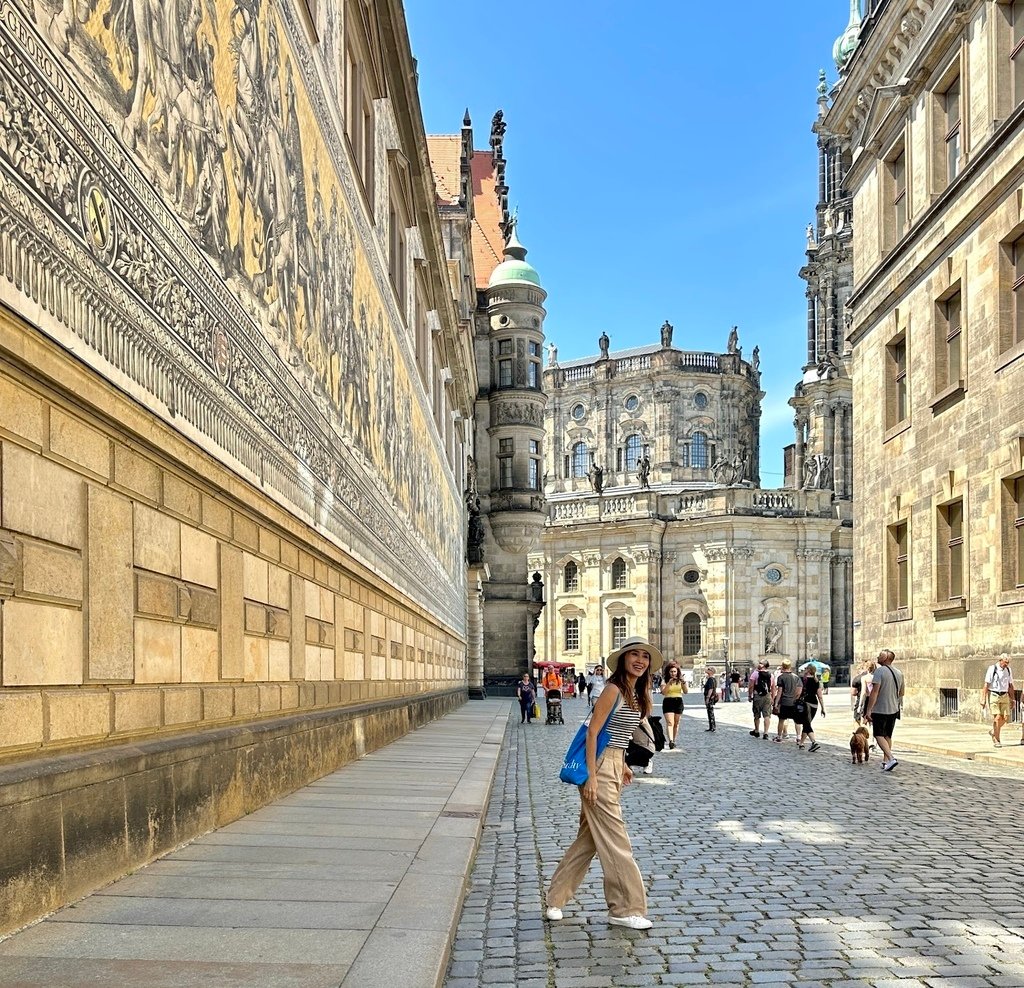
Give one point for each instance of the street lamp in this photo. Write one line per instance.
(725, 662)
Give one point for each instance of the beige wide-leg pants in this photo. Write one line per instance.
(603, 832)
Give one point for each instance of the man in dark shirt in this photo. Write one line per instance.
(787, 688)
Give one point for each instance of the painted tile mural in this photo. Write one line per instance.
(171, 169)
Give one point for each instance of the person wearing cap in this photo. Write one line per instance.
(625, 699)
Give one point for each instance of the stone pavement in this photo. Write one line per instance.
(765, 865)
(355, 880)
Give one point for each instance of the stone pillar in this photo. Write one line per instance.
(812, 328)
(839, 450)
(475, 578)
(798, 467)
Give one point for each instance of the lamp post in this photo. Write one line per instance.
(725, 661)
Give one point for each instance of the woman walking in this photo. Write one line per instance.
(527, 696)
(812, 700)
(672, 690)
(625, 698)
(711, 696)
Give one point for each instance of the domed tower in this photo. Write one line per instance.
(511, 493)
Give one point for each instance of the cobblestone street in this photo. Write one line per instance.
(765, 865)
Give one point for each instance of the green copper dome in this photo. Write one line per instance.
(847, 42)
(515, 269)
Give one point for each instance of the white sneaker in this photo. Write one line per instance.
(633, 922)
(648, 769)
(552, 912)
(890, 765)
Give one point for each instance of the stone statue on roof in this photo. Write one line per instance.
(596, 475)
(666, 334)
(733, 346)
(603, 342)
(755, 358)
(552, 355)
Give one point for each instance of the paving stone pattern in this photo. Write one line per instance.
(765, 865)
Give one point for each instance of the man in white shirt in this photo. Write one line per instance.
(997, 694)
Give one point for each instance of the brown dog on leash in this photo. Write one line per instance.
(859, 746)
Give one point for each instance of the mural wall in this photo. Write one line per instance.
(176, 207)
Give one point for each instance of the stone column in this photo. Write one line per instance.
(798, 466)
(475, 632)
(839, 450)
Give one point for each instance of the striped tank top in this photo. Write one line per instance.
(621, 724)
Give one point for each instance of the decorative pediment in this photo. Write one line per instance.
(883, 105)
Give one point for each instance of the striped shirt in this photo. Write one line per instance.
(621, 725)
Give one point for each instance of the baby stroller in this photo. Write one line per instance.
(554, 701)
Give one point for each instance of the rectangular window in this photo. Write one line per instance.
(533, 375)
(534, 349)
(504, 346)
(504, 471)
(898, 187)
(1017, 252)
(534, 477)
(898, 567)
(951, 114)
(949, 553)
(506, 446)
(1016, 16)
(504, 373)
(397, 225)
(359, 118)
(949, 351)
(1013, 533)
(572, 635)
(618, 631)
(896, 392)
(535, 447)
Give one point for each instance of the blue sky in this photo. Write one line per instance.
(662, 161)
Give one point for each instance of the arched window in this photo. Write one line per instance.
(633, 444)
(618, 631)
(699, 451)
(579, 460)
(691, 634)
(572, 577)
(572, 635)
(619, 574)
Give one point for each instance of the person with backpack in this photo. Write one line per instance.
(997, 695)
(760, 688)
(812, 700)
(787, 690)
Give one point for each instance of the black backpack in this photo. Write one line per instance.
(763, 683)
(658, 731)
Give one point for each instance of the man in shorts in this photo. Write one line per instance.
(787, 688)
(760, 690)
(997, 695)
(883, 705)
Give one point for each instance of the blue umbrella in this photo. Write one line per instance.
(819, 666)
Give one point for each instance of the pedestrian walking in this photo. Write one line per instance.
(527, 697)
(760, 689)
(672, 689)
(581, 685)
(595, 684)
(711, 696)
(883, 706)
(734, 685)
(625, 699)
(997, 695)
(813, 699)
(787, 689)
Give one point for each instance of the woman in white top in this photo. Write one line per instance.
(625, 699)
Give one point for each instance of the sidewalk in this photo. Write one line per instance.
(356, 880)
(939, 737)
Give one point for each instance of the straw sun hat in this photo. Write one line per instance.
(657, 659)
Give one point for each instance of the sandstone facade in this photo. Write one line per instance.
(930, 107)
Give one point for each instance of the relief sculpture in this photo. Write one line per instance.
(218, 113)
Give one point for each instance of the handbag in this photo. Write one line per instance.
(536, 710)
(642, 745)
(574, 765)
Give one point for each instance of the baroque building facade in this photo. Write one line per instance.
(929, 111)
(236, 396)
(658, 526)
(504, 301)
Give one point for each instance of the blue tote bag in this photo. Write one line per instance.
(574, 766)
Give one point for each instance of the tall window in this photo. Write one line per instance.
(898, 567)
(618, 631)
(691, 634)
(1016, 15)
(397, 225)
(699, 451)
(1013, 534)
(504, 363)
(579, 460)
(571, 577)
(898, 187)
(359, 123)
(951, 112)
(896, 382)
(619, 574)
(572, 635)
(534, 467)
(949, 349)
(533, 370)
(506, 449)
(633, 446)
(951, 551)
(1017, 331)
